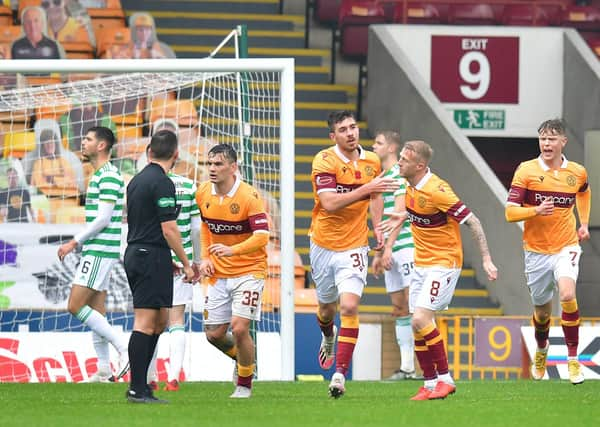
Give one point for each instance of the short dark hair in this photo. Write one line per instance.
(226, 150)
(104, 134)
(337, 117)
(163, 145)
(556, 126)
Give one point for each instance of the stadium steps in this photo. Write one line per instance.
(193, 29)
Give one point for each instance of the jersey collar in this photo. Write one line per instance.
(545, 168)
(361, 154)
(424, 180)
(236, 185)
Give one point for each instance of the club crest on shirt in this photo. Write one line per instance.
(571, 181)
(369, 171)
(422, 201)
(234, 208)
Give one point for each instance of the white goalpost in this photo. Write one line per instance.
(248, 103)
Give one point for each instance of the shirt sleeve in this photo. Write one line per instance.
(109, 188)
(518, 188)
(257, 215)
(194, 208)
(323, 172)
(164, 200)
(445, 200)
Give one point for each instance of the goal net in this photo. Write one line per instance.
(247, 103)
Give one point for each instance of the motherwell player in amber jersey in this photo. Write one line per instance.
(234, 237)
(543, 193)
(346, 183)
(435, 213)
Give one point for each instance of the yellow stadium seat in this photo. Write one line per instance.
(305, 300)
(182, 111)
(16, 144)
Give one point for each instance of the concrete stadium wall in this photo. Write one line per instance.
(406, 103)
(581, 96)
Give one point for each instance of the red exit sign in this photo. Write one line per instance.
(475, 69)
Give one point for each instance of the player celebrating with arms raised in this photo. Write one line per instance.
(543, 193)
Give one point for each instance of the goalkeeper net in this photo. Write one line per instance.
(246, 103)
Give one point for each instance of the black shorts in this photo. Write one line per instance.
(150, 274)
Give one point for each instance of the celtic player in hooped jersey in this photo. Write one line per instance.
(396, 260)
(100, 241)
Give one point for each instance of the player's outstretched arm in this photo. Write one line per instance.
(332, 201)
(479, 236)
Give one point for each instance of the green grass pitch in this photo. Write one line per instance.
(476, 403)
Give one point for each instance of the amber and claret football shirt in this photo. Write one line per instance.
(435, 214)
(533, 182)
(230, 220)
(345, 228)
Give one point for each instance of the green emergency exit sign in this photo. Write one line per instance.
(480, 119)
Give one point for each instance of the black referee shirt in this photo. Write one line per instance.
(150, 201)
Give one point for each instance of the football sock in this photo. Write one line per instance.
(346, 343)
(102, 351)
(424, 359)
(177, 350)
(245, 375)
(326, 327)
(435, 345)
(98, 323)
(541, 331)
(404, 337)
(140, 346)
(152, 373)
(570, 325)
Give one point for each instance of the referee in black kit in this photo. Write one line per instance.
(152, 218)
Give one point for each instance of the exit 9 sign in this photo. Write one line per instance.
(475, 69)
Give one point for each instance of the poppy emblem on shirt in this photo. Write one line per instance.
(357, 174)
(234, 208)
(571, 181)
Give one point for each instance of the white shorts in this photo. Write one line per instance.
(337, 272)
(182, 291)
(403, 265)
(94, 272)
(432, 288)
(237, 296)
(544, 270)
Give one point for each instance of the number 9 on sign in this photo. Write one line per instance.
(480, 78)
(500, 342)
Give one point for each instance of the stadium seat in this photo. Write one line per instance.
(471, 14)
(6, 17)
(355, 18)
(182, 111)
(420, 13)
(530, 14)
(305, 300)
(17, 144)
(583, 18)
(80, 47)
(10, 33)
(111, 36)
(110, 15)
(327, 11)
